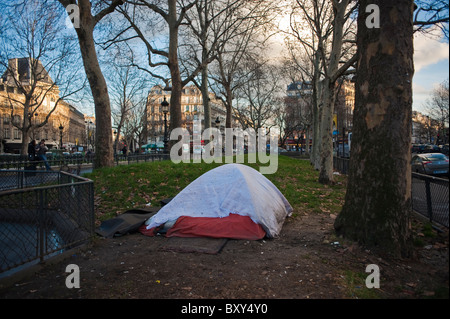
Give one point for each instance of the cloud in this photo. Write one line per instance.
(428, 51)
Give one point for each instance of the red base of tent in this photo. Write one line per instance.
(233, 226)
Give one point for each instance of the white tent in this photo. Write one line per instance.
(230, 189)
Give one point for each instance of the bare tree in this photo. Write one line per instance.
(259, 96)
(173, 14)
(214, 24)
(243, 38)
(87, 17)
(437, 108)
(38, 59)
(431, 13)
(128, 90)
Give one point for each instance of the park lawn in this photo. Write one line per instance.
(118, 189)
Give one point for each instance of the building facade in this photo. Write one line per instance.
(191, 109)
(46, 116)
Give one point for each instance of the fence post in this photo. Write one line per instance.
(42, 226)
(429, 203)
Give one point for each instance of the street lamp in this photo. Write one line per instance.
(115, 142)
(61, 128)
(165, 109)
(218, 129)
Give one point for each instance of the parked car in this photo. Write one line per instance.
(418, 148)
(444, 149)
(430, 148)
(430, 164)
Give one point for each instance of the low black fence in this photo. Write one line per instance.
(430, 197)
(341, 164)
(20, 162)
(42, 214)
(137, 158)
(429, 194)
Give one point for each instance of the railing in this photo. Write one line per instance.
(42, 214)
(136, 158)
(430, 197)
(429, 194)
(20, 162)
(341, 164)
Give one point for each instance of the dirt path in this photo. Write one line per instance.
(305, 262)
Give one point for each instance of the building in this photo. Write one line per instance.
(45, 114)
(299, 112)
(298, 116)
(191, 109)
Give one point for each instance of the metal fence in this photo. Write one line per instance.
(20, 162)
(41, 215)
(429, 194)
(137, 158)
(430, 197)
(341, 164)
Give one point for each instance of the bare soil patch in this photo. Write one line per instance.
(306, 262)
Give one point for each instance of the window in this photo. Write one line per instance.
(187, 108)
(6, 133)
(16, 134)
(6, 119)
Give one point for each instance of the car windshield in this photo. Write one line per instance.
(436, 157)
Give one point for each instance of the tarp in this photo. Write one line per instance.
(230, 193)
(128, 222)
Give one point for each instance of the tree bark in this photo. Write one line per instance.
(103, 133)
(377, 206)
(332, 72)
(326, 133)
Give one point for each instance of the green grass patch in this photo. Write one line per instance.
(355, 282)
(123, 187)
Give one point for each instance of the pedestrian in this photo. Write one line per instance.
(41, 151)
(32, 151)
(31, 167)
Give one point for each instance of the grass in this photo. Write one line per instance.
(124, 187)
(356, 286)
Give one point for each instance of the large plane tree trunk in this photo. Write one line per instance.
(377, 206)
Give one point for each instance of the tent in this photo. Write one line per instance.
(231, 201)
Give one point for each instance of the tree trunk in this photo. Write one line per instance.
(326, 133)
(377, 206)
(205, 93)
(329, 94)
(103, 133)
(177, 86)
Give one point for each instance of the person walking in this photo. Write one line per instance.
(32, 151)
(31, 159)
(41, 151)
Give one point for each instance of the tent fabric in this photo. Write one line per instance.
(233, 227)
(228, 189)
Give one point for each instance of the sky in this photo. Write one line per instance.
(431, 68)
(431, 57)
